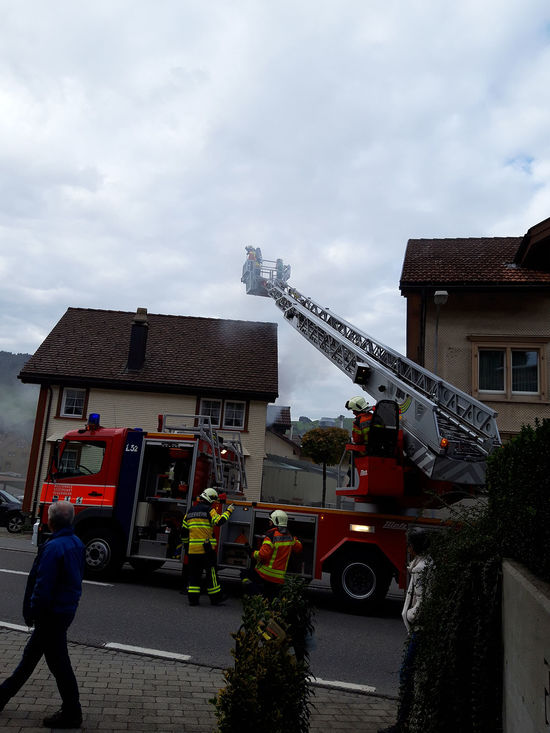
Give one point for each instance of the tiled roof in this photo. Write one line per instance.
(278, 415)
(474, 262)
(183, 353)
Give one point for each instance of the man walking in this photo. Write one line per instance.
(51, 598)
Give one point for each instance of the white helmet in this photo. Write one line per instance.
(279, 518)
(209, 495)
(357, 404)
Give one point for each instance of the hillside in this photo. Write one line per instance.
(17, 411)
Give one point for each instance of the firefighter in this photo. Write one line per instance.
(272, 558)
(198, 537)
(363, 416)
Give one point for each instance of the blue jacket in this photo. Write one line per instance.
(54, 584)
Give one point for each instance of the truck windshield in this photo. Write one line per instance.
(80, 458)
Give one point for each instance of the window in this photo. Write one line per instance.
(224, 414)
(509, 372)
(213, 410)
(73, 402)
(80, 458)
(234, 415)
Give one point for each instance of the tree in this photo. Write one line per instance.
(325, 446)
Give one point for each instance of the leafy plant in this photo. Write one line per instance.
(268, 685)
(325, 447)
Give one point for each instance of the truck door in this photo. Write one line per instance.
(80, 474)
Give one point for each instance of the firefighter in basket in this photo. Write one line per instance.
(268, 576)
(362, 422)
(200, 546)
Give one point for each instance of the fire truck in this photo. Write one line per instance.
(132, 488)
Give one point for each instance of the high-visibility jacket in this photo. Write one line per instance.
(273, 556)
(198, 526)
(360, 428)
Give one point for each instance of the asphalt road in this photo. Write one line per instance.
(150, 613)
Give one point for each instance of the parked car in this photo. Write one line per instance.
(11, 515)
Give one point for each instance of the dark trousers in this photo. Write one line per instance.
(254, 585)
(197, 565)
(49, 638)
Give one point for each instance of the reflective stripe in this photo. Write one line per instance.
(274, 554)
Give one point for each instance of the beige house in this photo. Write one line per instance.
(478, 314)
(130, 368)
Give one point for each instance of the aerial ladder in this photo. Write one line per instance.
(447, 434)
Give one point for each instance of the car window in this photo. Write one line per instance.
(6, 496)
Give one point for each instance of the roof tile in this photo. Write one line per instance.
(182, 352)
(467, 261)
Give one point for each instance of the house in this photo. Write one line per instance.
(130, 368)
(478, 314)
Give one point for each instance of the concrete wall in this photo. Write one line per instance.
(526, 631)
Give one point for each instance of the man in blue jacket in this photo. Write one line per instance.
(51, 598)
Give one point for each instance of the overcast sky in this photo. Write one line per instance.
(144, 144)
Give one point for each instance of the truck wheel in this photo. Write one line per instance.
(103, 554)
(144, 567)
(359, 582)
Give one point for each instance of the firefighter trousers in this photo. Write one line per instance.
(198, 564)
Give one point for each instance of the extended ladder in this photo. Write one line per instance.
(447, 433)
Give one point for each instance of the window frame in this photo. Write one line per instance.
(234, 427)
(62, 402)
(201, 410)
(222, 425)
(509, 344)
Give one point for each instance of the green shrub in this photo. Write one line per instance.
(518, 482)
(457, 682)
(268, 685)
(458, 677)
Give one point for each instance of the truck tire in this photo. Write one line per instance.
(104, 555)
(145, 567)
(359, 582)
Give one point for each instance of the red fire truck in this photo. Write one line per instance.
(427, 438)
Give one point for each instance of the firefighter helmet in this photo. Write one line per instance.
(357, 404)
(279, 518)
(209, 495)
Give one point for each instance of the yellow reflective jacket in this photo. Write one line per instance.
(198, 527)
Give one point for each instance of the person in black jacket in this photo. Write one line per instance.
(51, 598)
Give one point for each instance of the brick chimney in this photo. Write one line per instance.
(138, 340)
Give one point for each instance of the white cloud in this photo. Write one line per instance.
(143, 146)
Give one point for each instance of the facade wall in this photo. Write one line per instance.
(468, 316)
(526, 637)
(274, 446)
(119, 408)
(297, 486)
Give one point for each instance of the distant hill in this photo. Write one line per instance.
(17, 400)
(305, 424)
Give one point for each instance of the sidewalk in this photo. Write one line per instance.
(134, 692)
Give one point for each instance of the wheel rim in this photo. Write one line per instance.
(359, 581)
(15, 524)
(98, 554)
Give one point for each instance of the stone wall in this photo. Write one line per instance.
(526, 632)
